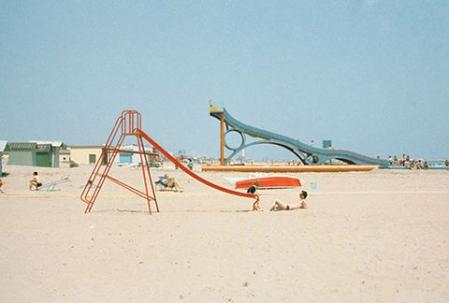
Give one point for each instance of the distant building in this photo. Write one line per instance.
(327, 144)
(89, 154)
(126, 155)
(86, 154)
(37, 153)
(2, 149)
(130, 154)
(64, 157)
(56, 148)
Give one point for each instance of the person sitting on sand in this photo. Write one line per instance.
(301, 204)
(168, 183)
(190, 164)
(256, 204)
(35, 182)
(1, 184)
(173, 184)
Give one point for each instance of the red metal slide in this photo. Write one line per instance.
(141, 133)
(129, 124)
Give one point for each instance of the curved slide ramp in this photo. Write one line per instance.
(306, 153)
(188, 171)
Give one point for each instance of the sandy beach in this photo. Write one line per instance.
(378, 236)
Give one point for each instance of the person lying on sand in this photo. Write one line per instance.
(256, 204)
(301, 204)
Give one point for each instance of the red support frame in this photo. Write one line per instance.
(126, 125)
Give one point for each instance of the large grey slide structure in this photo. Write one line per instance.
(306, 153)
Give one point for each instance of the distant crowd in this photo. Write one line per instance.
(407, 162)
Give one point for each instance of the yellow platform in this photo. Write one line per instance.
(289, 169)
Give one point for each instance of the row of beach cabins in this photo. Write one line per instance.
(57, 154)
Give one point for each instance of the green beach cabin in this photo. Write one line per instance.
(39, 153)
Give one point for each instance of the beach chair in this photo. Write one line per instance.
(54, 186)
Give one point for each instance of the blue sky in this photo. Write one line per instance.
(373, 76)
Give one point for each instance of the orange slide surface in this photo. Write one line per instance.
(184, 168)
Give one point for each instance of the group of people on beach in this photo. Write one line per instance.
(170, 183)
(407, 162)
(278, 205)
(166, 182)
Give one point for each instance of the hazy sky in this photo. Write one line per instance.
(373, 76)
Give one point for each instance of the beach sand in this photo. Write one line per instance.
(380, 236)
